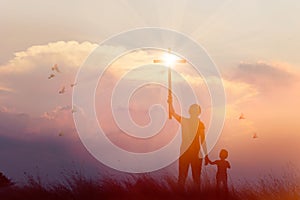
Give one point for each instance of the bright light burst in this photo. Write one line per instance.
(170, 59)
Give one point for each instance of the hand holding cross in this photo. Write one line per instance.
(170, 60)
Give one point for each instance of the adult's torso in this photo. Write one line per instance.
(191, 129)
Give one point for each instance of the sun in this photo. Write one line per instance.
(170, 59)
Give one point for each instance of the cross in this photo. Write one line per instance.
(168, 60)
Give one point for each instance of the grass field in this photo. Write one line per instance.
(75, 186)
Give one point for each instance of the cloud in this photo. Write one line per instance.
(264, 84)
(24, 79)
(70, 52)
(39, 113)
(23, 126)
(4, 91)
(28, 143)
(265, 93)
(239, 92)
(264, 76)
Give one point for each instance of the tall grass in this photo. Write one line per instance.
(75, 186)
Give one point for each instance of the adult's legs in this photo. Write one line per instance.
(183, 169)
(196, 170)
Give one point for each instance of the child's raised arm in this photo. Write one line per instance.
(209, 161)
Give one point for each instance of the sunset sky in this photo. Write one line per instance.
(255, 45)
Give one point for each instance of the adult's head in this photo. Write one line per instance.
(195, 110)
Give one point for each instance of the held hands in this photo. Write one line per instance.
(206, 160)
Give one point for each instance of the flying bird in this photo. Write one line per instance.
(242, 116)
(51, 76)
(255, 136)
(60, 134)
(55, 68)
(62, 90)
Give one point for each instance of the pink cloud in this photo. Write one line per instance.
(24, 79)
(264, 76)
(264, 92)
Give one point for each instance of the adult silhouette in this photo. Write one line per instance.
(193, 138)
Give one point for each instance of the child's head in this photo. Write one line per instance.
(195, 110)
(223, 154)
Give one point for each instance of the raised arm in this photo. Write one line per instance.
(173, 113)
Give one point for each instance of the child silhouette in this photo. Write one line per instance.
(222, 166)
